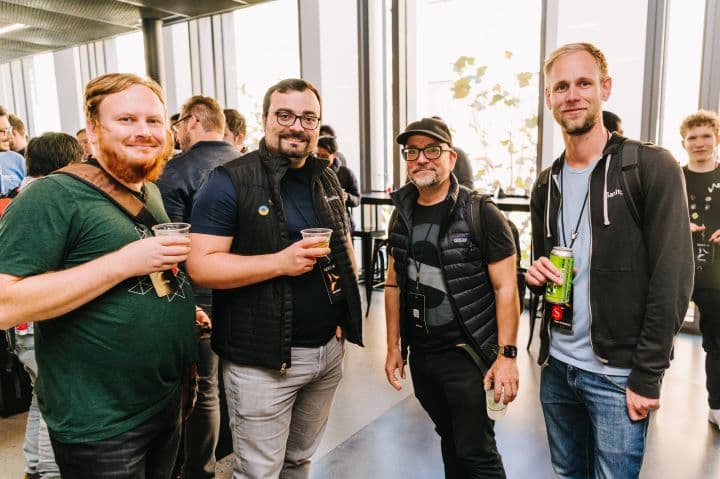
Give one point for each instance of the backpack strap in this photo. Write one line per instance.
(631, 182)
(113, 190)
(476, 221)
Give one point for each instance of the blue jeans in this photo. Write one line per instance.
(588, 427)
(37, 448)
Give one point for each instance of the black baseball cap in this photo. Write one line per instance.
(432, 127)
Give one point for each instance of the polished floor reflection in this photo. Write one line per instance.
(375, 432)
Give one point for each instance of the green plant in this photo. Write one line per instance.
(510, 145)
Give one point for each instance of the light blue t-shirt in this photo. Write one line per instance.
(575, 348)
(12, 171)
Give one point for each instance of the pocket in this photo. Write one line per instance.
(618, 383)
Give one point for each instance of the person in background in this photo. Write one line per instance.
(45, 154)
(12, 165)
(82, 137)
(327, 149)
(612, 122)
(327, 130)
(199, 130)
(19, 139)
(463, 169)
(235, 129)
(700, 134)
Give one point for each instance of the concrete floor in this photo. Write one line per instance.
(377, 432)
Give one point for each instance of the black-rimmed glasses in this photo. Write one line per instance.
(176, 124)
(288, 118)
(432, 152)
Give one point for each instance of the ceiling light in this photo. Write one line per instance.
(12, 27)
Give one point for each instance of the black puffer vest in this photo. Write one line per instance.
(252, 325)
(464, 269)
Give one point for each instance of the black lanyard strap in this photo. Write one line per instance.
(574, 234)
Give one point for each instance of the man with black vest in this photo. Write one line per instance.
(283, 305)
(451, 297)
(199, 131)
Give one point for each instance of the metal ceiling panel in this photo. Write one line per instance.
(57, 24)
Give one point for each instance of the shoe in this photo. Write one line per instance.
(32, 475)
(714, 417)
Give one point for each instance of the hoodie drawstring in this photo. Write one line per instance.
(606, 217)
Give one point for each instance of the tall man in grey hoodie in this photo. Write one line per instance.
(604, 353)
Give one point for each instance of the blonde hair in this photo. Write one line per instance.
(208, 112)
(574, 48)
(100, 87)
(700, 118)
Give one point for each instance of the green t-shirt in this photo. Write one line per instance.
(113, 363)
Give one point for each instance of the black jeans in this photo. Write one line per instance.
(148, 451)
(708, 302)
(450, 388)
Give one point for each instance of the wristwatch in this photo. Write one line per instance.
(509, 351)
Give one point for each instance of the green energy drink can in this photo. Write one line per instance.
(563, 260)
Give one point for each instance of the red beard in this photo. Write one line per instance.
(132, 170)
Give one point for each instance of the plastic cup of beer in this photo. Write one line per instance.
(495, 410)
(322, 235)
(171, 229)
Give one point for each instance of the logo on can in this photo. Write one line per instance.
(563, 260)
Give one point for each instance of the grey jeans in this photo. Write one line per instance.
(277, 420)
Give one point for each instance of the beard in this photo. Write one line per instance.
(425, 179)
(134, 170)
(292, 152)
(572, 128)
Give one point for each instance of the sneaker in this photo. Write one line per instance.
(32, 475)
(714, 417)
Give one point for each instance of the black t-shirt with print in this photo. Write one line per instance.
(703, 190)
(443, 330)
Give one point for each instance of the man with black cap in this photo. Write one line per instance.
(451, 299)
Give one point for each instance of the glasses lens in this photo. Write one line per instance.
(410, 154)
(309, 122)
(432, 152)
(284, 118)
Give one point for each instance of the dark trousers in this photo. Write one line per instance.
(148, 451)
(200, 434)
(450, 388)
(708, 302)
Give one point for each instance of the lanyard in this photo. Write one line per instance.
(417, 263)
(574, 234)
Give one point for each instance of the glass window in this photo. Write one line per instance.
(264, 56)
(43, 96)
(625, 55)
(482, 79)
(683, 58)
(131, 53)
(181, 65)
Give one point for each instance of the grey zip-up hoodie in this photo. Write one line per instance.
(641, 277)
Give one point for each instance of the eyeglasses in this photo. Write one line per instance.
(6, 131)
(288, 118)
(432, 152)
(176, 124)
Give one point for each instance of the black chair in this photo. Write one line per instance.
(372, 245)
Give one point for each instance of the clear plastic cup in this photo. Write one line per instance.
(495, 410)
(321, 234)
(171, 229)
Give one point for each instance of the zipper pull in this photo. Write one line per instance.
(283, 368)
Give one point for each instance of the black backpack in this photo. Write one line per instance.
(475, 221)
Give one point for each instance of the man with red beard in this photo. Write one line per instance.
(282, 305)
(110, 347)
